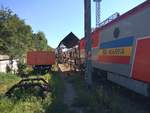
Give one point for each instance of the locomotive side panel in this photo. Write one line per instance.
(140, 68)
(134, 24)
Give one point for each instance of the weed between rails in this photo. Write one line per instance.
(58, 89)
(95, 100)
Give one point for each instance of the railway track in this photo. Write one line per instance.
(29, 83)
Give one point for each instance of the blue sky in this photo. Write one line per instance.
(57, 18)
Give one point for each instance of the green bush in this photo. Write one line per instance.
(8, 69)
(21, 68)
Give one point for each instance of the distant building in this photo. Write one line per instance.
(5, 61)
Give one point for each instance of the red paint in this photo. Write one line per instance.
(82, 44)
(40, 58)
(95, 38)
(141, 66)
(115, 59)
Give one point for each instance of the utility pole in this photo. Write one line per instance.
(87, 31)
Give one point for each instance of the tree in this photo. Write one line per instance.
(16, 37)
(40, 41)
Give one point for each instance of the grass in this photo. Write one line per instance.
(58, 89)
(7, 81)
(23, 101)
(80, 87)
(29, 100)
(95, 100)
(28, 105)
(46, 77)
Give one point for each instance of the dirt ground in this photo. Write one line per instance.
(129, 102)
(70, 93)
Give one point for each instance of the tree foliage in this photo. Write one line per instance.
(16, 37)
(40, 41)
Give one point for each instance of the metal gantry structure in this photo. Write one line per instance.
(98, 12)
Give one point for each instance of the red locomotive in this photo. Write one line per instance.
(120, 48)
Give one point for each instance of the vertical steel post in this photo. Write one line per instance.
(87, 31)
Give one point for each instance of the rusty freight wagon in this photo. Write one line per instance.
(41, 60)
